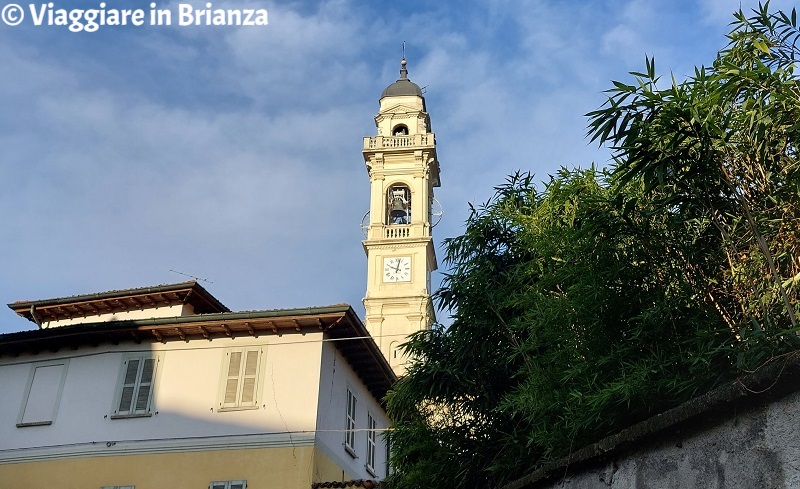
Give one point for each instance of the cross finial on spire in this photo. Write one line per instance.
(403, 70)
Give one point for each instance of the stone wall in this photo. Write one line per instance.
(745, 435)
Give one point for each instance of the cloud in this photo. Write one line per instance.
(106, 184)
(234, 154)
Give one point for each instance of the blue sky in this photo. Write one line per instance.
(234, 153)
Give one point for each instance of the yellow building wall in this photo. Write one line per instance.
(325, 470)
(263, 468)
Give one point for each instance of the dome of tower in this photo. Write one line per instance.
(403, 86)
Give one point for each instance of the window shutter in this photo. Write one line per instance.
(145, 385)
(137, 385)
(240, 378)
(232, 380)
(128, 386)
(249, 378)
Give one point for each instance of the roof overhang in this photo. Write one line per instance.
(116, 301)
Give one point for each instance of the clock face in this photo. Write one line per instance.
(397, 269)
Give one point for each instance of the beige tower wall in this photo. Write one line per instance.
(391, 321)
(395, 309)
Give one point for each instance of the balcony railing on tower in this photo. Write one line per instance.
(397, 231)
(390, 142)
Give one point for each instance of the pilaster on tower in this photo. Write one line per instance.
(403, 170)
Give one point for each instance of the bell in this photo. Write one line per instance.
(398, 210)
(398, 204)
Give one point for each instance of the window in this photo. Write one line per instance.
(228, 485)
(42, 393)
(135, 388)
(400, 130)
(350, 425)
(118, 487)
(371, 435)
(388, 465)
(241, 378)
(397, 357)
(398, 201)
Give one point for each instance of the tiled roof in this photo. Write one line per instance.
(365, 483)
(114, 301)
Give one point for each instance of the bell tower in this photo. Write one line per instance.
(403, 170)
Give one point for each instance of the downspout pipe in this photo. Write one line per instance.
(35, 316)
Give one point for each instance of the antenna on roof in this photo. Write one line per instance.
(404, 50)
(191, 276)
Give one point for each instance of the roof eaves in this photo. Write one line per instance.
(156, 289)
(193, 293)
(197, 318)
(354, 342)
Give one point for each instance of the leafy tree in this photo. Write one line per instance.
(607, 296)
(722, 149)
(573, 313)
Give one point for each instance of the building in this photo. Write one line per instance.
(165, 387)
(403, 170)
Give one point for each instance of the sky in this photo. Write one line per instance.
(233, 154)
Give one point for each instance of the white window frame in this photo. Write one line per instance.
(242, 484)
(29, 386)
(388, 465)
(372, 445)
(136, 384)
(350, 423)
(240, 389)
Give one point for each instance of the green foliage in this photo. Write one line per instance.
(573, 313)
(608, 296)
(722, 148)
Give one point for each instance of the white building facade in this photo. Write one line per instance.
(286, 398)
